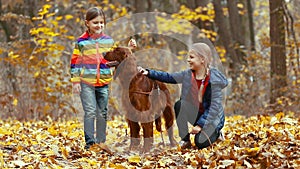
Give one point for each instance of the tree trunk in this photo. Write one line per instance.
(235, 22)
(226, 37)
(251, 25)
(237, 29)
(278, 51)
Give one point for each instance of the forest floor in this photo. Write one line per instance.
(250, 142)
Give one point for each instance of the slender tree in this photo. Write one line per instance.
(278, 51)
(226, 37)
(251, 25)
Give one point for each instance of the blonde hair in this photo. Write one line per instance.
(202, 50)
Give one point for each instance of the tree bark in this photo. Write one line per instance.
(235, 22)
(226, 37)
(251, 25)
(278, 51)
(237, 29)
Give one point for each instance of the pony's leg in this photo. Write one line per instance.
(169, 119)
(134, 134)
(158, 124)
(148, 136)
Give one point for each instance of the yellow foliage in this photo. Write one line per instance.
(68, 17)
(58, 18)
(12, 55)
(48, 89)
(248, 141)
(36, 74)
(50, 14)
(45, 9)
(134, 159)
(15, 102)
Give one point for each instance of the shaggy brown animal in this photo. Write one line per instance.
(144, 100)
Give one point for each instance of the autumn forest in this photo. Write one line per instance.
(256, 45)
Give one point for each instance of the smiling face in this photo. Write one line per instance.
(95, 20)
(95, 25)
(195, 62)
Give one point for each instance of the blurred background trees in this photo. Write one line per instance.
(257, 42)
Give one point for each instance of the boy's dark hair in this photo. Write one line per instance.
(93, 13)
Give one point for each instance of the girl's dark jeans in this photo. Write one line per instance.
(187, 112)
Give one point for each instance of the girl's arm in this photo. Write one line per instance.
(162, 76)
(76, 65)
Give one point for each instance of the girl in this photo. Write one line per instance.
(91, 75)
(201, 97)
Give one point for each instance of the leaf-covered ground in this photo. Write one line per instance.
(254, 142)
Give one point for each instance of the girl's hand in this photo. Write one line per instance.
(142, 70)
(76, 88)
(132, 44)
(195, 130)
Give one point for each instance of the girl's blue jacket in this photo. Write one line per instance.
(212, 99)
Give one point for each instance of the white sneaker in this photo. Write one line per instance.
(221, 137)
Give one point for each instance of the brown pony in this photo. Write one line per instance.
(144, 100)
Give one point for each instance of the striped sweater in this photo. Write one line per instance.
(87, 62)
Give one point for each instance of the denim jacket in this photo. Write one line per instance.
(212, 99)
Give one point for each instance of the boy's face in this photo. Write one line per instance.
(95, 25)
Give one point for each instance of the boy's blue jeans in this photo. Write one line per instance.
(94, 102)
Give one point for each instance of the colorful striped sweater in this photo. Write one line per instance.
(87, 62)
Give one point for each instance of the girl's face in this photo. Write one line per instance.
(95, 25)
(195, 62)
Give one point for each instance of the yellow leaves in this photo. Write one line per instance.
(279, 115)
(134, 159)
(176, 25)
(208, 34)
(59, 18)
(1, 159)
(249, 143)
(252, 151)
(74, 134)
(45, 9)
(68, 17)
(65, 152)
(41, 137)
(222, 52)
(13, 55)
(202, 13)
(278, 153)
(52, 130)
(15, 102)
(88, 161)
(226, 163)
(116, 166)
(5, 131)
(123, 11)
(36, 74)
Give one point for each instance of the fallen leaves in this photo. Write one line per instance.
(256, 142)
